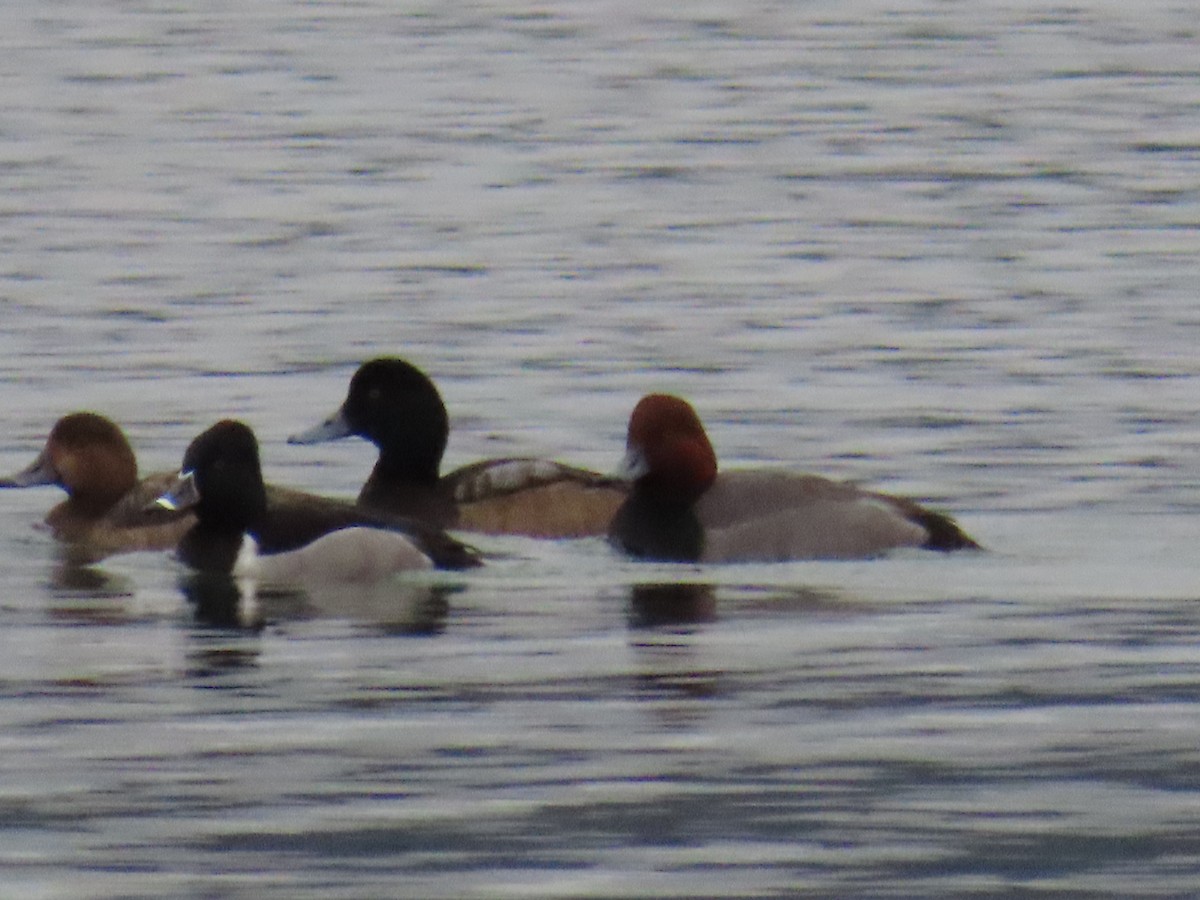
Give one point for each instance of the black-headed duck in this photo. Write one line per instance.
(221, 480)
(681, 509)
(395, 406)
(88, 456)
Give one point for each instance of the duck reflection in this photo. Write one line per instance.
(215, 653)
(663, 616)
(675, 667)
(217, 602)
(72, 577)
(658, 605)
(394, 606)
(87, 595)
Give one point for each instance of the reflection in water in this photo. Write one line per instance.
(806, 601)
(71, 577)
(85, 595)
(218, 602)
(654, 605)
(216, 653)
(666, 667)
(661, 681)
(396, 606)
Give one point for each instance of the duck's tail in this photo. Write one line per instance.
(944, 533)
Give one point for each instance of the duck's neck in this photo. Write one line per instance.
(97, 484)
(649, 528)
(236, 511)
(405, 467)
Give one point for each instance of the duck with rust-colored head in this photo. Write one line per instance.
(681, 509)
(395, 406)
(221, 480)
(88, 456)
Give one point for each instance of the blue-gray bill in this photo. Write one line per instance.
(182, 494)
(40, 471)
(633, 465)
(331, 429)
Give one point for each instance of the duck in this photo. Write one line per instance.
(396, 406)
(682, 510)
(221, 481)
(88, 456)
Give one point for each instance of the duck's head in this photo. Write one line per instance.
(221, 478)
(667, 453)
(86, 455)
(395, 406)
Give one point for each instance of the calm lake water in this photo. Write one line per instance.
(943, 250)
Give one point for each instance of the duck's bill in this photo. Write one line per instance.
(634, 465)
(331, 429)
(40, 471)
(182, 494)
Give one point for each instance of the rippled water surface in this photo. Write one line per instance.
(944, 250)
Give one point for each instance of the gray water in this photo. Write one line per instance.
(944, 250)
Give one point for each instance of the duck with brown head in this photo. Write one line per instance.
(681, 509)
(88, 456)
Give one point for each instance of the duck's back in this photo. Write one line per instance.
(129, 525)
(295, 518)
(533, 497)
(769, 515)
